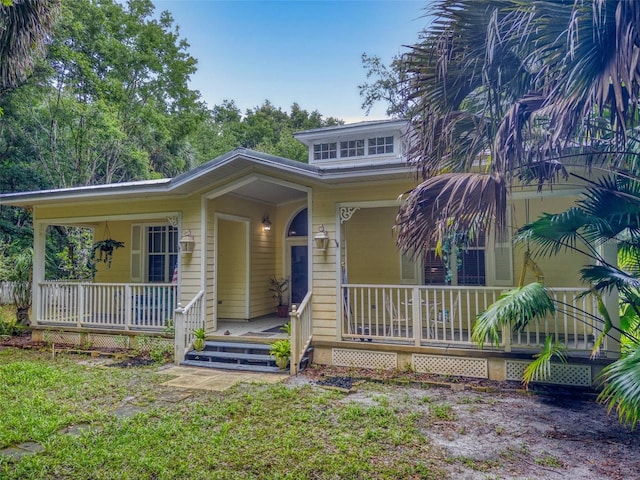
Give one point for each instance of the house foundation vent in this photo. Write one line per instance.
(456, 366)
(561, 374)
(364, 359)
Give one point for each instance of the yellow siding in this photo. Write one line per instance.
(119, 270)
(560, 270)
(372, 256)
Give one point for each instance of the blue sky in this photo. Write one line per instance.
(286, 51)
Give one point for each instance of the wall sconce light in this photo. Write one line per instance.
(321, 239)
(187, 242)
(266, 223)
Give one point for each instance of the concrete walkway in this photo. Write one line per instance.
(215, 380)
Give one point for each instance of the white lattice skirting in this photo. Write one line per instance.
(456, 366)
(561, 374)
(141, 343)
(67, 338)
(364, 359)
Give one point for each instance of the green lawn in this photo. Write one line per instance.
(249, 431)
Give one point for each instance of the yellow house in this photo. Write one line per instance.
(200, 250)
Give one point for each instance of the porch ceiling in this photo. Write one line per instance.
(268, 192)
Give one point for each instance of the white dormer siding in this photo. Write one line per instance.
(364, 143)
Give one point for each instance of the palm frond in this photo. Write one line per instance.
(24, 30)
(447, 204)
(622, 386)
(604, 278)
(554, 233)
(540, 368)
(515, 309)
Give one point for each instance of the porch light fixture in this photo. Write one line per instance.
(321, 239)
(266, 223)
(187, 242)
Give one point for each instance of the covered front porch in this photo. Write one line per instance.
(444, 316)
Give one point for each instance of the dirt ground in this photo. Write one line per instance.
(506, 433)
(494, 430)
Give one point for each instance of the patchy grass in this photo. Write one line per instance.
(250, 431)
(40, 395)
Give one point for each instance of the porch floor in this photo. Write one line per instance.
(251, 329)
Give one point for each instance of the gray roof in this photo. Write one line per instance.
(209, 173)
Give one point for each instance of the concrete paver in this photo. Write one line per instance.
(215, 380)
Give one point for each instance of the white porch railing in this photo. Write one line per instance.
(301, 334)
(140, 306)
(188, 319)
(443, 315)
(576, 323)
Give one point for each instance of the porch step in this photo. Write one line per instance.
(233, 366)
(233, 356)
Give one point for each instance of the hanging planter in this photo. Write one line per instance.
(103, 249)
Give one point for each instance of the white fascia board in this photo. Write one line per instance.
(84, 193)
(308, 137)
(353, 174)
(288, 168)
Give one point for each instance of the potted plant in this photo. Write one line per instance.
(103, 250)
(279, 288)
(281, 351)
(200, 337)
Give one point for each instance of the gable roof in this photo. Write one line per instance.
(213, 171)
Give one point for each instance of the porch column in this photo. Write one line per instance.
(609, 252)
(39, 249)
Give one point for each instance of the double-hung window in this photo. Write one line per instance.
(162, 253)
(467, 266)
(154, 253)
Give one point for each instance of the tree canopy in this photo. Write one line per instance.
(97, 91)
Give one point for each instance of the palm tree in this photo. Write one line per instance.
(532, 88)
(25, 27)
(528, 87)
(609, 210)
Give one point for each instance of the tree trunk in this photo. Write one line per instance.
(22, 315)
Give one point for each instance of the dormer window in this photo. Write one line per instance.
(352, 148)
(346, 146)
(380, 145)
(324, 151)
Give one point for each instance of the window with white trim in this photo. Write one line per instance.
(380, 145)
(467, 265)
(162, 253)
(324, 151)
(471, 265)
(154, 253)
(352, 148)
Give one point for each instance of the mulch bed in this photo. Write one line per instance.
(346, 377)
(132, 362)
(21, 341)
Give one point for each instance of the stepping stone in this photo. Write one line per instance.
(128, 411)
(22, 450)
(75, 430)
